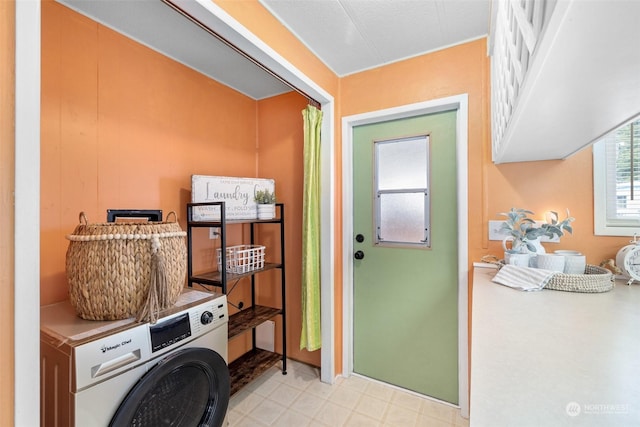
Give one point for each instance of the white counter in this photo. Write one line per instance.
(552, 358)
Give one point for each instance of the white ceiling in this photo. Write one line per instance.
(347, 35)
(355, 35)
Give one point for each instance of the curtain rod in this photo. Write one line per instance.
(257, 63)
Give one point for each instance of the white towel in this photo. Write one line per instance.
(523, 278)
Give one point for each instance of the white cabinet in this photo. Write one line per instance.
(558, 88)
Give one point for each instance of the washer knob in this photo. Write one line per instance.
(206, 318)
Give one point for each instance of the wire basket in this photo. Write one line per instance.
(242, 258)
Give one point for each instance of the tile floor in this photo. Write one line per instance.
(299, 399)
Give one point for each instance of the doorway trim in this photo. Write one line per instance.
(458, 103)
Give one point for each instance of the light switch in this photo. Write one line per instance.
(494, 230)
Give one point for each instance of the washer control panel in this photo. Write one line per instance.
(167, 332)
(189, 323)
(209, 315)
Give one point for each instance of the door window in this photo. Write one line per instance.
(402, 191)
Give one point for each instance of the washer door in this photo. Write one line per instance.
(187, 388)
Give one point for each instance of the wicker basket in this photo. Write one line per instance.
(120, 270)
(595, 279)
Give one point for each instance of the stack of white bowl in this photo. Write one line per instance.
(564, 261)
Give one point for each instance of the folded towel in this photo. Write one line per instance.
(523, 278)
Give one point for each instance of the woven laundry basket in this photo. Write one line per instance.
(121, 270)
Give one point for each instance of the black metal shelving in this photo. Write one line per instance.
(256, 361)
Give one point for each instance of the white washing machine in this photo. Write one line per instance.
(122, 373)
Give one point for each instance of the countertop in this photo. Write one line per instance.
(552, 358)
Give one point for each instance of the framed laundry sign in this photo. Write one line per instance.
(237, 193)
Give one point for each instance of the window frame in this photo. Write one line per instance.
(426, 242)
(602, 226)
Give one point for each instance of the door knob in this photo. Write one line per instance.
(358, 255)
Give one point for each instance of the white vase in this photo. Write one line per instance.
(520, 259)
(266, 211)
(522, 247)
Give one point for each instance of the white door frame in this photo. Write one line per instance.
(26, 230)
(460, 104)
(27, 205)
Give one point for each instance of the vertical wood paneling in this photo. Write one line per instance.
(51, 235)
(125, 127)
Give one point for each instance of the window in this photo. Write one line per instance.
(616, 178)
(402, 191)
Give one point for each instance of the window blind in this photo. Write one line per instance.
(622, 168)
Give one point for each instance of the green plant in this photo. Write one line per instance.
(264, 197)
(524, 229)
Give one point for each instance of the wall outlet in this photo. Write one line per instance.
(265, 335)
(496, 234)
(214, 232)
(494, 231)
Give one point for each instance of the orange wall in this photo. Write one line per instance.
(538, 186)
(260, 22)
(94, 108)
(281, 157)
(457, 70)
(552, 185)
(125, 127)
(7, 165)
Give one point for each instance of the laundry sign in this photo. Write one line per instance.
(237, 193)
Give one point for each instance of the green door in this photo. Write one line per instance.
(405, 320)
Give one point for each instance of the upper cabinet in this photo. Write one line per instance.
(563, 74)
